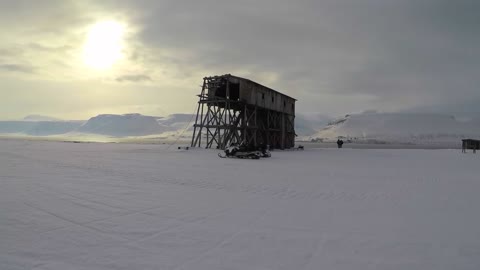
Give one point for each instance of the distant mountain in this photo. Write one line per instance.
(122, 125)
(125, 125)
(176, 122)
(309, 124)
(370, 127)
(38, 128)
(398, 127)
(46, 128)
(36, 117)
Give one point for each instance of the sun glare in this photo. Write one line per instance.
(104, 44)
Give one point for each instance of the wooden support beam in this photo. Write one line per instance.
(245, 118)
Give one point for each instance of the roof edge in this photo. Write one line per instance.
(245, 79)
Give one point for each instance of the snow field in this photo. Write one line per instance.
(126, 206)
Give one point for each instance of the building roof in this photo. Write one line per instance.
(270, 89)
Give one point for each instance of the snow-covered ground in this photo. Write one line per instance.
(129, 206)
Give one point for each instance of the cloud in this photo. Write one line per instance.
(17, 68)
(133, 78)
(334, 56)
(391, 54)
(43, 48)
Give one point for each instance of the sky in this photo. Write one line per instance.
(76, 59)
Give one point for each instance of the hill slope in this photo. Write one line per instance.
(399, 127)
(125, 125)
(122, 125)
(39, 128)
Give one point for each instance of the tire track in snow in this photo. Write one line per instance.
(282, 193)
(89, 228)
(226, 240)
(285, 193)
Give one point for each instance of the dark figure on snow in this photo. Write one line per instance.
(339, 143)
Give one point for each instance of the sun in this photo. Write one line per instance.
(104, 44)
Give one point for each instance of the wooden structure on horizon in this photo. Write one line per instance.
(470, 144)
(237, 110)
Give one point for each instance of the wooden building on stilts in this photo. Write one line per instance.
(236, 110)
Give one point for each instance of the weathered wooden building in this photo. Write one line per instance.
(237, 110)
(470, 144)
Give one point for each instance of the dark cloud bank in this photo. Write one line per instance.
(401, 54)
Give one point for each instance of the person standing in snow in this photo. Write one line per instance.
(339, 143)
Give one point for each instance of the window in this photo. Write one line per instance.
(284, 104)
(273, 99)
(234, 91)
(263, 95)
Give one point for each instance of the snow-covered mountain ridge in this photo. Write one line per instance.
(369, 127)
(398, 128)
(125, 125)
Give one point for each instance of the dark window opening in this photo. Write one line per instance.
(273, 99)
(263, 95)
(234, 91)
(221, 90)
(284, 104)
(293, 107)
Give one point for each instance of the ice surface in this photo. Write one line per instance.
(126, 206)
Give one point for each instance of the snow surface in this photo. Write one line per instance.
(126, 206)
(399, 127)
